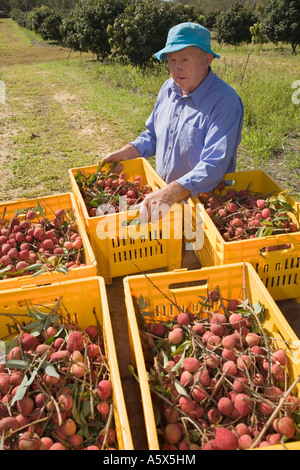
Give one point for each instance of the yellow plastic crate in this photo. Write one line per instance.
(79, 298)
(279, 269)
(50, 204)
(184, 287)
(122, 250)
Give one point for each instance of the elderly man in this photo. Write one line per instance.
(195, 127)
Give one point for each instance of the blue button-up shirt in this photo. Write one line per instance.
(194, 137)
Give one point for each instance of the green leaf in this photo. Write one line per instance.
(32, 267)
(50, 369)
(22, 388)
(143, 302)
(40, 209)
(37, 273)
(132, 372)
(16, 364)
(269, 231)
(5, 270)
(85, 409)
(179, 363)
(62, 269)
(182, 348)
(260, 232)
(159, 388)
(259, 309)
(180, 388)
(165, 358)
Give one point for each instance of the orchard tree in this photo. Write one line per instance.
(233, 26)
(143, 27)
(70, 32)
(282, 22)
(50, 28)
(210, 19)
(92, 21)
(37, 16)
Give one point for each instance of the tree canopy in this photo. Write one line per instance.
(282, 22)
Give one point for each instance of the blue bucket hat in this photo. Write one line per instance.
(185, 35)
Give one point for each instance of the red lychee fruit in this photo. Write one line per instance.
(104, 389)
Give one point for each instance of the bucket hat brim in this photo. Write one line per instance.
(185, 35)
(162, 55)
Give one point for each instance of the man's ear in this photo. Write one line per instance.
(209, 59)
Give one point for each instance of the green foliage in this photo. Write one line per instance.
(258, 37)
(37, 16)
(282, 22)
(21, 17)
(70, 31)
(143, 27)
(91, 22)
(233, 26)
(29, 5)
(210, 19)
(50, 27)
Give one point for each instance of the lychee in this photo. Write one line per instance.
(29, 342)
(75, 341)
(104, 389)
(176, 336)
(243, 404)
(225, 439)
(286, 427)
(173, 433)
(225, 406)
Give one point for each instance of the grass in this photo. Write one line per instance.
(62, 113)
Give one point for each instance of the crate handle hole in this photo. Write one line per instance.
(184, 285)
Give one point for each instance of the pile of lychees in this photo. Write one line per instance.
(32, 244)
(242, 215)
(217, 379)
(55, 388)
(105, 191)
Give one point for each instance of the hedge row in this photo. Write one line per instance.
(132, 30)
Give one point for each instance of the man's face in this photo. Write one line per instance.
(189, 67)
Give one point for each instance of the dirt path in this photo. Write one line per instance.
(45, 123)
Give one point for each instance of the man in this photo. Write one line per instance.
(195, 127)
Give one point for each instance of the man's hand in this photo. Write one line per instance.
(126, 153)
(158, 203)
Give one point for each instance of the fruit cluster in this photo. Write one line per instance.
(55, 388)
(33, 244)
(217, 380)
(241, 215)
(106, 192)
